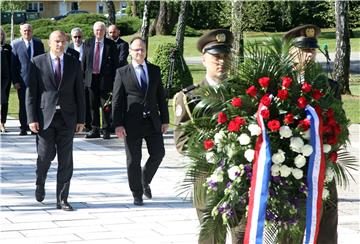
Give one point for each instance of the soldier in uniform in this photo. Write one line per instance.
(305, 47)
(215, 47)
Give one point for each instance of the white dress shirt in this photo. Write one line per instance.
(54, 62)
(138, 70)
(81, 49)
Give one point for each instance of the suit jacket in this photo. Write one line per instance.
(42, 94)
(73, 53)
(123, 49)
(20, 61)
(128, 99)
(109, 63)
(71, 45)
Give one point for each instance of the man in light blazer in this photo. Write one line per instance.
(55, 106)
(140, 112)
(23, 50)
(100, 61)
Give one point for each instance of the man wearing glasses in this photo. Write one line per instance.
(77, 41)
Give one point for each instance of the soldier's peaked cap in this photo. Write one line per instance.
(305, 36)
(216, 41)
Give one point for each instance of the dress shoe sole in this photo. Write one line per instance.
(65, 208)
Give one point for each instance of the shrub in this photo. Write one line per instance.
(128, 25)
(88, 19)
(189, 31)
(181, 73)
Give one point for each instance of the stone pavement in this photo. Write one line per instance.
(99, 192)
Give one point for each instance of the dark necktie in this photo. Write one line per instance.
(96, 69)
(143, 79)
(58, 71)
(29, 50)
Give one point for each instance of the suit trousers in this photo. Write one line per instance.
(22, 109)
(5, 106)
(155, 146)
(57, 139)
(97, 98)
(87, 109)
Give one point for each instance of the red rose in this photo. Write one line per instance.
(317, 94)
(265, 113)
(264, 81)
(301, 103)
(306, 87)
(330, 113)
(337, 129)
(289, 118)
(333, 156)
(283, 94)
(318, 109)
(222, 118)
(266, 100)
(233, 126)
(251, 91)
(236, 102)
(274, 125)
(286, 81)
(208, 144)
(331, 122)
(327, 129)
(304, 124)
(107, 109)
(332, 140)
(240, 121)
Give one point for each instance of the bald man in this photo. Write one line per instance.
(55, 106)
(121, 45)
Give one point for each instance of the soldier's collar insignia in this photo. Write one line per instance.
(221, 37)
(310, 32)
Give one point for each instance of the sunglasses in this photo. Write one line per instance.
(76, 36)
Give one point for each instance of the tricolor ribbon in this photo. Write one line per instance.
(259, 185)
(315, 177)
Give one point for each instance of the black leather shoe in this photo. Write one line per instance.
(40, 193)
(64, 205)
(138, 201)
(93, 134)
(147, 192)
(106, 135)
(23, 133)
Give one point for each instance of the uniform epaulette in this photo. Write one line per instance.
(190, 88)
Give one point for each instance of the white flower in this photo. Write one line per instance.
(231, 150)
(326, 148)
(249, 155)
(285, 171)
(244, 139)
(329, 175)
(306, 134)
(307, 150)
(278, 157)
(325, 194)
(234, 172)
(297, 173)
(210, 157)
(217, 176)
(296, 143)
(275, 170)
(254, 129)
(218, 137)
(300, 161)
(285, 132)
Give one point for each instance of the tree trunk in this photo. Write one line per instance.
(111, 11)
(236, 28)
(152, 30)
(162, 20)
(342, 55)
(180, 31)
(134, 8)
(145, 23)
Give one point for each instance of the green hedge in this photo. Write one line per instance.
(128, 25)
(189, 31)
(181, 75)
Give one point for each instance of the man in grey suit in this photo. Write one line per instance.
(55, 109)
(140, 112)
(23, 50)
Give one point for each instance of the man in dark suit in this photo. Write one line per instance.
(140, 112)
(56, 109)
(77, 41)
(23, 49)
(100, 61)
(122, 46)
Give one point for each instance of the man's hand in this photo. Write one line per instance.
(120, 131)
(164, 128)
(34, 127)
(79, 128)
(17, 86)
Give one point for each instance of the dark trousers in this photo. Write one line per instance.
(155, 145)
(5, 105)
(87, 109)
(97, 98)
(57, 139)
(22, 110)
